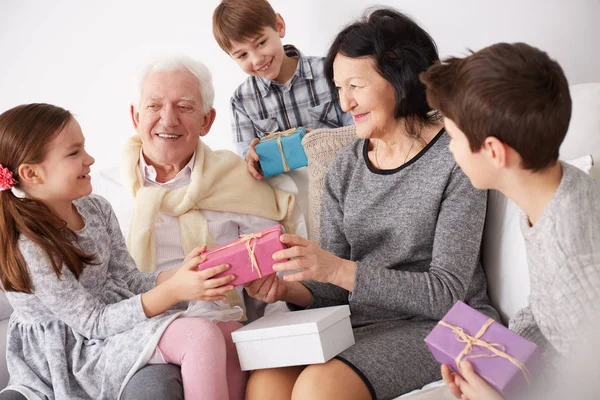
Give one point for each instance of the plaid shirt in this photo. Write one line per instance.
(260, 106)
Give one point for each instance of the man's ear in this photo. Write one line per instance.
(497, 151)
(209, 118)
(135, 116)
(28, 174)
(280, 25)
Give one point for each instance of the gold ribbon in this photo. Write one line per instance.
(246, 239)
(496, 349)
(278, 136)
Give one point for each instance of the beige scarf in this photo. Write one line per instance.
(219, 182)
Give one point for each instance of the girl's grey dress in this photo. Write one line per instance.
(82, 339)
(415, 233)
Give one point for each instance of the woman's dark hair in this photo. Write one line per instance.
(25, 132)
(401, 50)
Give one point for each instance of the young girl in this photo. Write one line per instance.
(85, 319)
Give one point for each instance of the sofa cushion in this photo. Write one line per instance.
(583, 136)
(320, 146)
(5, 307)
(3, 368)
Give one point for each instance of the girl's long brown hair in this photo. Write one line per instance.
(25, 131)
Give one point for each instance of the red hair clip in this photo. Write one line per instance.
(6, 179)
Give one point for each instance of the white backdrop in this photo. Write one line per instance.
(82, 55)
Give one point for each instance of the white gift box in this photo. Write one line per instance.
(294, 338)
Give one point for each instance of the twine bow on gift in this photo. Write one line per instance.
(496, 349)
(246, 239)
(277, 136)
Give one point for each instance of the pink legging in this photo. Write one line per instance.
(210, 368)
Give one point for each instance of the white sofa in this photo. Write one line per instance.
(503, 250)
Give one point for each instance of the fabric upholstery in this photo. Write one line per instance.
(320, 146)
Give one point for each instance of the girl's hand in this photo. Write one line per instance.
(194, 253)
(164, 276)
(190, 283)
(268, 289)
(310, 262)
(471, 387)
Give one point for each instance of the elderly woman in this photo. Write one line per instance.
(401, 225)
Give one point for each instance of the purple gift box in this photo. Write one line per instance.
(463, 325)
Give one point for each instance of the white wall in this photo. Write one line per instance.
(81, 55)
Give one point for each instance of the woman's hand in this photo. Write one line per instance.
(471, 387)
(310, 262)
(268, 289)
(191, 283)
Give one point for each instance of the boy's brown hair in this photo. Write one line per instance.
(513, 92)
(239, 20)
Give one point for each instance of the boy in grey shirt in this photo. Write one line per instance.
(507, 109)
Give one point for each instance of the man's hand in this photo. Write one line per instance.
(268, 289)
(252, 160)
(471, 387)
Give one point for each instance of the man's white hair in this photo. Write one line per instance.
(174, 63)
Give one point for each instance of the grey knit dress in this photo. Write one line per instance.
(415, 233)
(82, 339)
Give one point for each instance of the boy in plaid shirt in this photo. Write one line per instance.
(285, 89)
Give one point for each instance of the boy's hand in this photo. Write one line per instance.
(449, 379)
(191, 283)
(268, 289)
(252, 160)
(472, 387)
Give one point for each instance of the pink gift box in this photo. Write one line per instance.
(239, 254)
(446, 342)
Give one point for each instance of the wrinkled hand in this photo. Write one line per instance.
(471, 387)
(190, 283)
(310, 262)
(268, 289)
(252, 160)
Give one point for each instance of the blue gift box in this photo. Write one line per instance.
(280, 152)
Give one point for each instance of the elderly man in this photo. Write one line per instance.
(174, 193)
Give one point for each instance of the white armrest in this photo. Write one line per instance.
(3, 369)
